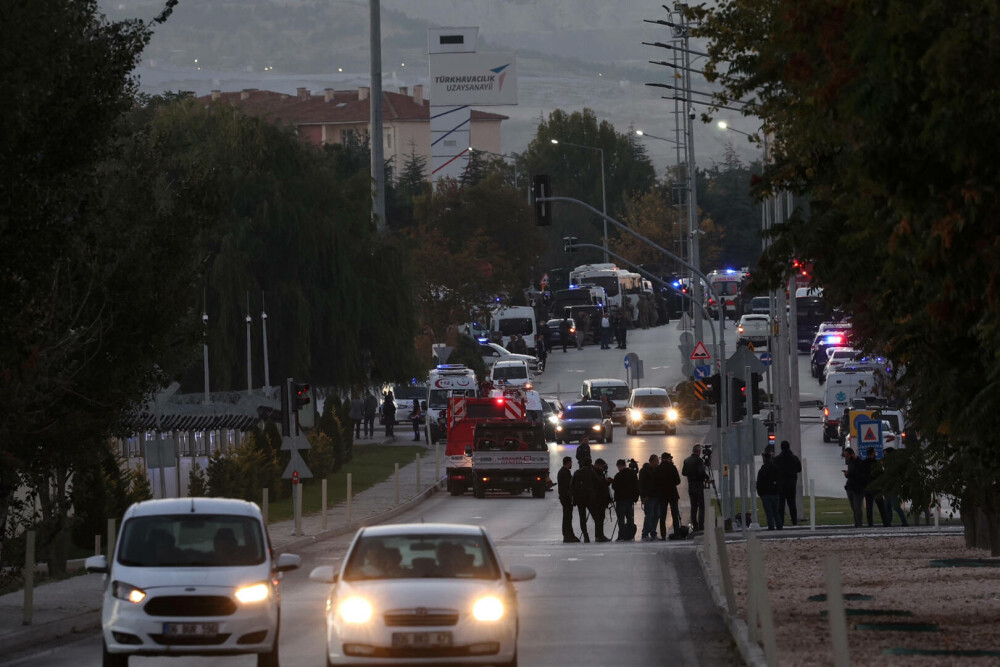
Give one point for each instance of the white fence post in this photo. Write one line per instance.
(835, 612)
(396, 467)
(812, 504)
(349, 496)
(323, 502)
(29, 578)
(758, 581)
(418, 472)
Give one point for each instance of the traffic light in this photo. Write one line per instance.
(301, 393)
(569, 241)
(755, 379)
(714, 391)
(737, 399)
(541, 186)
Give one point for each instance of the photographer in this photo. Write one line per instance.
(667, 479)
(697, 475)
(565, 481)
(650, 496)
(602, 497)
(626, 488)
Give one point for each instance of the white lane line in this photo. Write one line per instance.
(537, 556)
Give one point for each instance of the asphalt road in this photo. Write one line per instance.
(591, 604)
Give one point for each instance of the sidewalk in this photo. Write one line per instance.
(74, 605)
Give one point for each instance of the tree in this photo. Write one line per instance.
(197, 482)
(878, 116)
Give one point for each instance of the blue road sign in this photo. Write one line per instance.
(701, 372)
(765, 358)
(869, 435)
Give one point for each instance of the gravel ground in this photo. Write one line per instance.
(964, 602)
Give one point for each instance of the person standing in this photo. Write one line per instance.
(769, 490)
(417, 418)
(356, 414)
(667, 481)
(650, 497)
(583, 451)
(626, 488)
(546, 334)
(602, 499)
(389, 414)
(854, 485)
(605, 332)
(565, 481)
(621, 331)
(892, 503)
(697, 477)
(564, 327)
(541, 352)
(584, 486)
(582, 327)
(789, 467)
(871, 468)
(368, 411)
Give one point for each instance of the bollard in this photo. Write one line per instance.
(835, 612)
(323, 501)
(29, 577)
(263, 507)
(111, 539)
(762, 604)
(349, 496)
(709, 540)
(418, 473)
(812, 504)
(297, 508)
(97, 544)
(727, 577)
(937, 516)
(437, 463)
(397, 482)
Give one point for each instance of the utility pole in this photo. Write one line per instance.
(263, 324)
(699, 330)
(249, 356)
(377, 151)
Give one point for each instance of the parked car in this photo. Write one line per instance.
(403, 395)
(650, 409)
(493, 352)
(555, 337)
(427, 593)
(191, 576)
(580, 420)
(616, 390)
(754, 328)
(510, 372)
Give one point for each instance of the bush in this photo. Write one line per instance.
(321, 456)
(197, 482)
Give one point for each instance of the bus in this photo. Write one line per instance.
(607, 276)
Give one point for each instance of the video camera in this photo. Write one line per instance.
(633, 466)
(706, 455)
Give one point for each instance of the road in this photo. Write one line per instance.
(640, 603)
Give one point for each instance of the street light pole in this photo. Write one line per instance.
(604, 191)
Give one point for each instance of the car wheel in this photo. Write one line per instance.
(826, 438)
(629, 430)
(672, 431)
(558, 441)
(601, 440)
(457, 490)
(538, 491)
(270, 659)
(512, 662)
(822, 379)
(113, 659)
(478, 491)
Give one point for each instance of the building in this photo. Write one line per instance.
(336, 115)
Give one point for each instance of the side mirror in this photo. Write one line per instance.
(96, 564)
(468, 451)
(520, 573)
(287, 562)
(324, 574)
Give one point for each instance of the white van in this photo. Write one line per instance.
(841, 388)
(192, 576)
(616, 390)
(515, 320)
(650, 409)
(510, 372)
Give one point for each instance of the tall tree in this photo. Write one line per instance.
(878, 111)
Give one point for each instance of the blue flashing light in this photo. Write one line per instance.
(573, 286)
(730, 270)
(676, 283)
(483, 339)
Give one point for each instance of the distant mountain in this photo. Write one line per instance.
(571, 54)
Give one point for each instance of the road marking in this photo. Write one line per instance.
(571, 559)
(537, 555)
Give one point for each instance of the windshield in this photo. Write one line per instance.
(518, 372)
(422, 556)
(584, 412)
(191, 540)
(651, 401)
(522, 440)
(727, 288)
(406, 393)
(438, 398)
(515, 326)
(609, 283)
(614, 392)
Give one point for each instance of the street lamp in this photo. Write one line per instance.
(640, 133)
(723, 125)
(604, 193)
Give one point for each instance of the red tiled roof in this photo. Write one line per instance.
(343, 107)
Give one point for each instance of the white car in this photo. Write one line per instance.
(650, 409)
(422, 594)
(192, 576)
(492, 353)
(511, 373)
(837, 358)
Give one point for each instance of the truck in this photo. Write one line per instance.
(464, 413)
(509, 455)
(446, 381)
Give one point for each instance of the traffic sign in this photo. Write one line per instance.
(702, 371)
(700, 352)
(860, 416)
(765, 358)
(869, 436)
(700, 390)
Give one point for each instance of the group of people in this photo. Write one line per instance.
(589, 490)
(362, 414)
(517, 345)
(860, 477)
(776, 481)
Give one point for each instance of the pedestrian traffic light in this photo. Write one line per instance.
(755, 379)
(568, 243)
(541, 187)
(714, 391)
(737, 399)
(302, 395)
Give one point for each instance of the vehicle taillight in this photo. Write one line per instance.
(740, 328)
(499, 401)
(826, 412)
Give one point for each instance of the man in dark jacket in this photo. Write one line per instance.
(789, 467)
(369, 410)
(583, 451)
(650, 497)
(855, 484)
(389, 414)
(564, 327)
(565, 482)
(626, 488)
(584, 487)
(872, 468)
(602, 498)
(769, 488)
(697, 476)
(667, 481)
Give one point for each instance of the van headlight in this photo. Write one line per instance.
(124, 591)
(355, 610)
(489, 608)
(559, 427)
(597, 427)
(672, 414)
(635, 415)
(253, 593)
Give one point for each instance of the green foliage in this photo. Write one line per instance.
(197, 482)
(466, 352)
(222, 476)
(321, 457)
(329, 425)
(346, 430)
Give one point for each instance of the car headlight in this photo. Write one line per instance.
(488, 608)
(355, 610)
(559, 427)
(635, 415)
(553, 419)
(672, 414)
(253, 593)
(597, 427)
(124, 591)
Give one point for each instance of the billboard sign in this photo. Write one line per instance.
(477, 79)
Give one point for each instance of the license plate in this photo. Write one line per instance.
(420, 639)
(190, 629)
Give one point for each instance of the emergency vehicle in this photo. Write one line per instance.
(446, 381)
(729, 285)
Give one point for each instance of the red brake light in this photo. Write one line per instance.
(499, 401)
(826, 412)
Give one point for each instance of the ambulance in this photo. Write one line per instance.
(446, 381)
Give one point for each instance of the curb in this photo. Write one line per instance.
(90, 620)
(751, 652)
